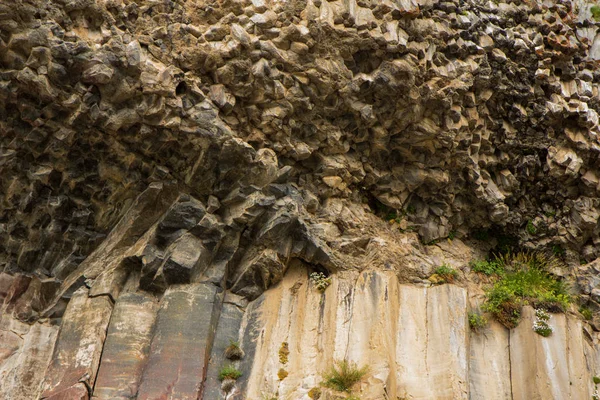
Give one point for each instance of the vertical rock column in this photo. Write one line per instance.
(181, 343)
(126, 347)
(22, 367)
(373, 331)
(295, 333)
(72, 371)
(489, 364)
(548, 368)
(227, 331)
(432, 345)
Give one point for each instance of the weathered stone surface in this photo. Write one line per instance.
(25, 353)
(412, 346)
(77, 351)
(228, 330)
(234, 145)
(489, 363)
(126, 347)
(436, 364)
(181, 343)
(552, 367)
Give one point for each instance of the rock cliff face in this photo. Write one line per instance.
(173, 171)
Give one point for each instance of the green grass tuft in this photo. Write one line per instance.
(229, 372)
(343, 376)
(446, 272)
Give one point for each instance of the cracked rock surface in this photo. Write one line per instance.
(171, 172)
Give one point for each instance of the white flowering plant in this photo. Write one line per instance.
(540, 324)
(320, 280)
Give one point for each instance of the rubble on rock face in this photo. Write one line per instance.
(164, 163)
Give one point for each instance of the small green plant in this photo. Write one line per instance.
(321, 281)
(233, 351)
(393, 217)
(595, 10)
(343, 375)
(540, 324)
(229, 372)
(596, 380)
(531, 228)
(477, 322)
(284, 353)
(487, 267)
(446, 273)
(558, 251)
(352, 397)
(586, 313)
(452, 235)
(525, 281)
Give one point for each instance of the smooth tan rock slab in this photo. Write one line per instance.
(126, 347)
(414, 340)
(432, 343)
(22, 372)
(489, 364)
(79, 345)
(548, 368)
(181, 343)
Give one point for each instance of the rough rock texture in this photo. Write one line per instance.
(172, 171)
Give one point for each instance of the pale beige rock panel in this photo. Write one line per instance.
(412, 348)
(489, 364)
(552, 367)
(373, 331)
(432, 345)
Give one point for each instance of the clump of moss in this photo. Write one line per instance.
(314, 393)
(343, 375)
(284, 353)
(526, 281)
(531, 228)
(446, 273)
(477, 322)
(586, 313)
(595, 10)
(233, 351)
(282, 374)
(229, 372)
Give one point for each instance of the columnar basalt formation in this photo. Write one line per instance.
(173, 171)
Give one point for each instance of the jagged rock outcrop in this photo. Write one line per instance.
(173, 171)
